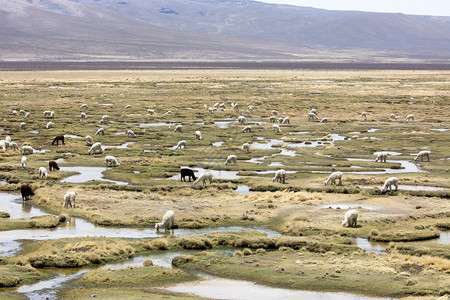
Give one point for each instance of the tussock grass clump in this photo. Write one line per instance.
(12, 275)
(157, 244)
(148, 262)
(418, 235)
(196, 243)
(4, 214)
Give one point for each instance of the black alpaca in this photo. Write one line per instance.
(189, 173)
(57, 139)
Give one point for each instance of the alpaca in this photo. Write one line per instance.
(280, 176)
(350, 218)
(204, 177)
(69, 199)
(422, 155)
(167, 221)
(232, 160)
(382, 156)
(57, 139)
(391, 181)
(332, 178)
(187, 173)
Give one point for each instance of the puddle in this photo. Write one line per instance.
(217, 174)
(34, 131)
(18, 209)
(155, 124)
(439, 129)
(118, 147)
(276, 164)
(388, 152)
(72, 136)
(243, 189)
(286, 152)
(41, 151)
(217, 144)
(59, 160)
(420, 188)
(407, 167)
(444, 238)
(346, 206)
(87, 174)
(298, 132)
(369, 246)
(222, 124)
(256, 160)
(273, 172)
(120, 133)
(372, 130)
(219, 288)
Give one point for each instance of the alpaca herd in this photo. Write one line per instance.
(350, 218)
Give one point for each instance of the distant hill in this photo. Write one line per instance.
(212, 30)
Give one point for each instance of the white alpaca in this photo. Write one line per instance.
(27, 115)
(83, 115)
(178, 128)
(169, 112)
(422, 155)
(211, 110)
(222, 106)
(22, 112)
(409, 118)
(280, 120)
(232, 160)
(89, 140)
(280, 176)
(275, 112)
(167, 221)
(324, 120)
(69, 199)
(181, 145)
(332, 178)
(83, 106)
(250, 108)
(104, 120)
(204, 177)
(5, 145)
(42, 172)
(127, 106)
(241, 119)
(130, 133)
(246, 147)
(382, 156)
(205, 106)
(22, 125)
(14, 112)
(198, 135)
(111, 161)
(286, 120)
(312, 116)
(50, 125)
(48, 113)
(235, 106)
(272, 119)
(100, 131)
(276, 128)
(8, 138)
(96, 148)
(24, 162)
(364, 115)
(247, 128)
(350, 218)
(391, 181)
(393, 116)
(151, 111)
(13, 146)
(314, 111)
(27, 150)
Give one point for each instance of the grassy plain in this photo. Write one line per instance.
(303, 209)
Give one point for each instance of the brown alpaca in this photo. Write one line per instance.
(52, 165)
(57, 139)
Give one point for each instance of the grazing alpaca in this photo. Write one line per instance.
(52, 165)
(27, 150)
(24, 162)
(69, 199)
(181, 145)
(393, 117)
(151, 111)
(96, 148)
(57, 139)
(312, 116)
(246, 147)
(391, 181)
(82, 106)
(111, 161)
(324, 120)
(280, 176)
(22, 125)
(286, 120)
(364, 115)
(167, 221)
(409, 118)
(272, 119)
(50, 125)
(130, 133)
(241, 119)
(204, 177)
(89, 140)
(275, 112)
(189, 173)
(178, 128)
(232, 160)
(350, 218)
(42, 172)
(422, 155)
(332, 178)
(382, 156)
(104, 120)
(198, 135)
(247, 128)
(100, 131)
(26, 191)
(13, 146)
(276, 128)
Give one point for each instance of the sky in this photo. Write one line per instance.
(414, 7)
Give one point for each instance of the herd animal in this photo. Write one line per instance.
(350, 218)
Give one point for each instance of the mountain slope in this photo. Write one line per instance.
(290, 24)
(60, 29)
